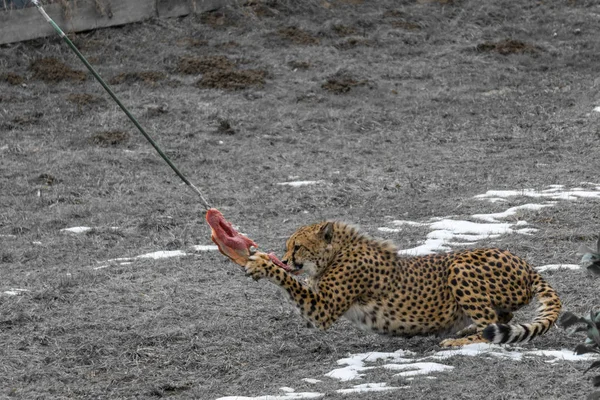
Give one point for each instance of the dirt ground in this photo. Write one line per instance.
(401, 109)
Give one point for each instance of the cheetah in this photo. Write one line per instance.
(469, 293)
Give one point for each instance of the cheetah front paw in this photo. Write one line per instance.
(257, 265)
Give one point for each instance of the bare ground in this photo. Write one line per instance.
(403, 109)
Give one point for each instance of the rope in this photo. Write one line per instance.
(116, 99)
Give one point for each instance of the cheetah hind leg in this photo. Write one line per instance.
(504, 317)
(488, 316)
(470, 332)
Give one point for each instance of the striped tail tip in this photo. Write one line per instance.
(500, 333)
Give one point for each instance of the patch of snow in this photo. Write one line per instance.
(511, 211)
(370, 387)
(468, 227)
(446, 231)
(497, 200)
(418, 368)
(430, 246)
(311, 380)
(205, 247)
(411, 223)
(348, 373)
(554, 192)
(562, 355)
(476, 349)
(286, 396)
(597, 109)
(389, 230)
(15, 292)
(485, 349)
(163, 254)
(77, 229)
(287, 389)
(157, 255)
(355, 364)
(553, 267)
(8, 236)
(299, 183)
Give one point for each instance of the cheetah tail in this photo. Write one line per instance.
(547, 316)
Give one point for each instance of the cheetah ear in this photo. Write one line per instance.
(326, 232)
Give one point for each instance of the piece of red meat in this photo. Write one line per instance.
(231, 243)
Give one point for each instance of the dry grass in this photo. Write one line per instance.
(447, 113)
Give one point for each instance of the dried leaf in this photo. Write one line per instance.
(569, 319)
(594, 268)
(595, 364)
(593, 331)
(583, 349)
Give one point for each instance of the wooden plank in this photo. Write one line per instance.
(27, 24)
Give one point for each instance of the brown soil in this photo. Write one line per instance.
(231, 44)
(24, 120)
(344, 30)
(217, 19)
(341, 83)
(400, 20)
(85, 99)
(507, 46)
(232, 80)
(110, 138)
(225, 128)
(151, 78)
(45, 179)
(298, 36)
(12, 78)
(193, 65)
(352, 43)
(299, 65)
(192, 42)
(51, 70)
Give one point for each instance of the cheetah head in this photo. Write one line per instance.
(309, 250)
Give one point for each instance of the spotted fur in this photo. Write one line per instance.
(470, 292)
